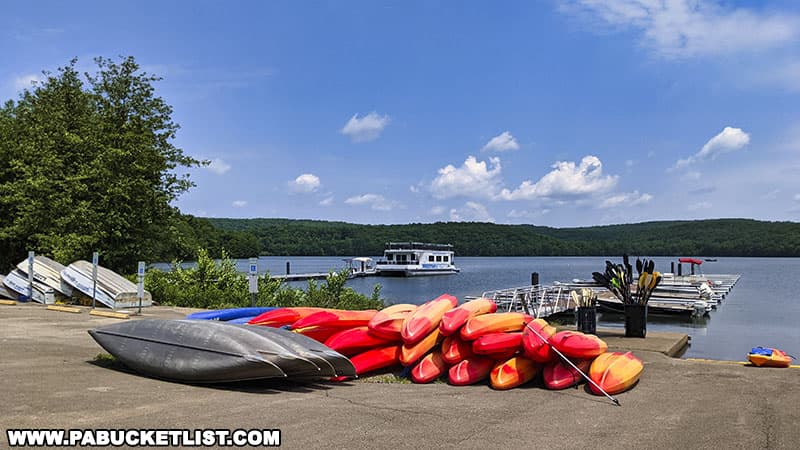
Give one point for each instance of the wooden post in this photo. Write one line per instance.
(535, 279)
(680, 269)
(692, 269)
(288, 268)
(672, 266)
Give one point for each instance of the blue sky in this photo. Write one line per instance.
(561, 113)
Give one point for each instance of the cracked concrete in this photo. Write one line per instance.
(49, 380)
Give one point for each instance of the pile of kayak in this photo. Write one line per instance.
(465, 344)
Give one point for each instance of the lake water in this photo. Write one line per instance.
(762, 309)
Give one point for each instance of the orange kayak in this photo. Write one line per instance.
(351, 341)
(336, 318)
(769, 357)
(455, 318)
(615, 372)
(574, 344)
(388, 322)
(284, 316)
(377, 358)
(431, 367)
(533, 346)
(513, 372)
(409, 354)
(455, 350)
(560, 375)
(426, 318)
(470, 371)
(493, 323)
(497, 343)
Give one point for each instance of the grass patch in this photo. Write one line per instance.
(385, 378)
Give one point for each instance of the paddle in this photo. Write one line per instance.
(547, 341)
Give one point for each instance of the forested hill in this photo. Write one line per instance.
(718, 237)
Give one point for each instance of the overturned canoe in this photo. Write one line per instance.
(113, 290)
(200, 351)
(310, 349)
(615, 372)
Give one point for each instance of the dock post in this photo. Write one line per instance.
(534, 278)
(680, 269)
(692, 269)
(672, 267)
(288, 268)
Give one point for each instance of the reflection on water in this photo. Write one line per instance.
(762, 309)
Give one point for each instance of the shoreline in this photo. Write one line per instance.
(52, 381)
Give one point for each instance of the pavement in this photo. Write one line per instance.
(49, 379)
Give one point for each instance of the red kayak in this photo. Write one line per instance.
(455, 350)
(456, 318)
(574, 344)
(336, 318)
(409, 354)
(284, 316)
(497, 343)
(377, 358)
(426, 318)
(493, 323)
(355, 340)
(388, 322)
(513, 372)
(470, 371)
(533, 346)
(560, 375)
(431, 367)
(319, 334)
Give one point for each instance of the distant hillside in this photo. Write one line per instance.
(719, 237)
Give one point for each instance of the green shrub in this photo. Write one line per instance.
(213, 285)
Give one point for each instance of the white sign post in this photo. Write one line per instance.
(30, 276)
(95, 261)
(253, 273)
(140, 285)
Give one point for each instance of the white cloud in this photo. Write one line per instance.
(728, 140)
(698, 206)
(629, 163)
(305, 183)
(326, 202)
(437, 211)
(797, 197)
(685, 28)
(375, 201)
(218, 166)
(239, 203)
(474, 178)
(565, 180)
(25, 81)
(501, 143)
(626, 199)
(365, 129)
(771, 195)
(471, 212)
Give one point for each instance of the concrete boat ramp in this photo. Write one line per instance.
(50, 379)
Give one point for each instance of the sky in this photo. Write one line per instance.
(554, 112)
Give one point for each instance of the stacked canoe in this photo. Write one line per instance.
(465, 344)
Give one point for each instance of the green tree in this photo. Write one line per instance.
(88, 164)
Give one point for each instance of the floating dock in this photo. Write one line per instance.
(301, 276)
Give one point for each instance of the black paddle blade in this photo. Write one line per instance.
(600, 279)
(651, 266)
(638, 266)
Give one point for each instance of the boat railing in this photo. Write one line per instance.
(537, 301)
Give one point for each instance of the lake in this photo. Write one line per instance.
(762, 309)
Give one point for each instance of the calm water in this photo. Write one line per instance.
(762, 309)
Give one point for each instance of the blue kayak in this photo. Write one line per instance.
(242, 320)
(229, 314)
